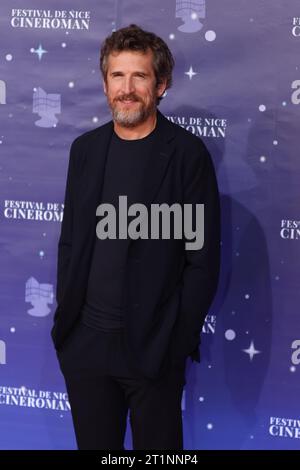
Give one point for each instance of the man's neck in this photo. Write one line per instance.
(137, 132)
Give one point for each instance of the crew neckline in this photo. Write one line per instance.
(142, 139)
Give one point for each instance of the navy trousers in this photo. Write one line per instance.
(103, 387)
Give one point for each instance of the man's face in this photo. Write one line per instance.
(130, 87)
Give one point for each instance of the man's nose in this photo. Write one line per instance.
(128, 85)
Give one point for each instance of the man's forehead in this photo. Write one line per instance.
(130, 57)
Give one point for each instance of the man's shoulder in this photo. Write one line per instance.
(189, 138)
(185, 137)
(89, 136)
(190, 147)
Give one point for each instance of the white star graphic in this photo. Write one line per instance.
(251, 351)
(190, 73)
(39, 51)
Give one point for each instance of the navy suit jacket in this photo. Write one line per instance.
(168, 289)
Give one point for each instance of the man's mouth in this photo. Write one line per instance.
(128, 101)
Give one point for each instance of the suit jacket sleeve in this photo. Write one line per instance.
(201, 269)
(65, 240)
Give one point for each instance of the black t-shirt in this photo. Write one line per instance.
(124, 172)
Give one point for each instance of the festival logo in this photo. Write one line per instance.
(284, 427)
(2, 352)
(2, 92)
(290, 229)
(33, 210)
(46, 105)
(39, 295)
(190, 12)
(202, 126)
(50, 19)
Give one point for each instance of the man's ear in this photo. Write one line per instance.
(161, 88)
(104, 86)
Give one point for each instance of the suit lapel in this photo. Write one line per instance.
(92, 179)
(162, 152)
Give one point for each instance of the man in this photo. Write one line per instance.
(130, 310)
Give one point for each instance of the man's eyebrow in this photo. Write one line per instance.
(137, 72)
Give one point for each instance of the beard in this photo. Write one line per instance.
(132, 117)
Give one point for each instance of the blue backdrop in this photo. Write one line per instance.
(236, 85)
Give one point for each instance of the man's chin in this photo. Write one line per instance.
(128, 119)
